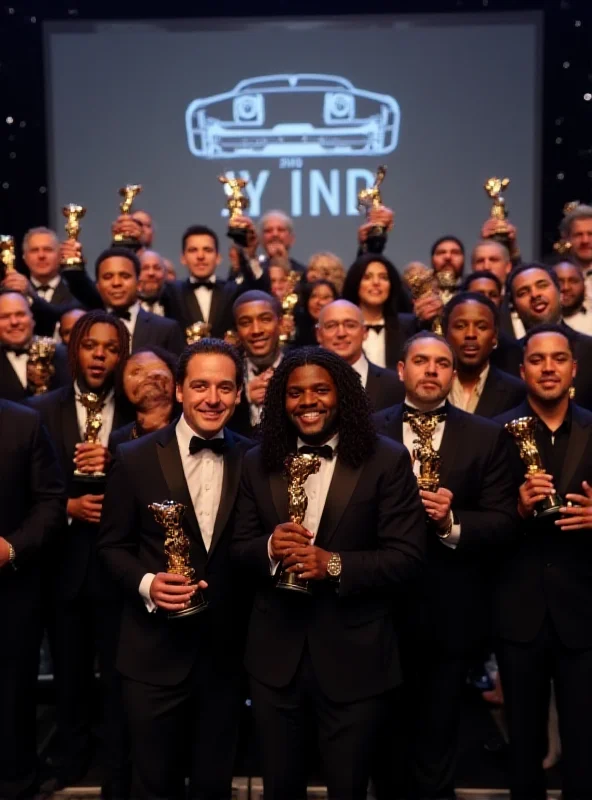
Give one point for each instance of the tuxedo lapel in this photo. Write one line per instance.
(192, 306)
(10, 385)
(579, 441)
(230, 481)
(394, 424)
(172, 470)
(453, 431)
(392, 343)
(343, 483)
(491, 390)
(69, 424)
(279, 493)
(372, 385)
(217, 304)
(140, 337)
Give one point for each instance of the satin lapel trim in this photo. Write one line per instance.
(579, 440)
(71, 433)
(453, 426)
(394, 426)
(340, 492)
(172, 471)
(193, 307)
(215, 305)
(230, 481)
(279, 493)
(489, 395)
(142, 321)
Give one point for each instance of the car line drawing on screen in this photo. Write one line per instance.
(300, 114)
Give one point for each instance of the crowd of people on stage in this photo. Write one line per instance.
(354, 624)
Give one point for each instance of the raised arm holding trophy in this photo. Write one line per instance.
(237, 203)
(128, 192)
(73, 214)
(370, 199)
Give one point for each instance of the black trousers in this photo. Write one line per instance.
(526, 671)
(85, 630)
(190, 729)
(346, 737)
(418, 748)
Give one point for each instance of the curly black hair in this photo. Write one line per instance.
(357, 434)
(82, 328)
(396, 300)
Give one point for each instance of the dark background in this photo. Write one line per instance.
(566, 169)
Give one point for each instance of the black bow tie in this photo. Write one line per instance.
(322, 451)
(150, 301)
(409, 411)
(196, 445)
(43, 289)
(202, 284)
(375, 328)
(122, 313)
(18, 351)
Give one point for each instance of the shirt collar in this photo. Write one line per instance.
(413, 405)
(78, 391)
(211, 279)
(333, 442)
(251, 367)
(52, 283)
(185, 434)
(565, 425)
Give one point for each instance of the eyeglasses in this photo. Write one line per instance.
(350, 325)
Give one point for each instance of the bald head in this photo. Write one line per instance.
(16, 320)
(341, 330)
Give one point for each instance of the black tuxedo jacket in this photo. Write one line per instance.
(501, 392)
(449, 608)
(383, 387)
(396, 334)
(373, 518)
(12, 389)
(120, 436)
(549, 570)
(150, 329)
(185, 308)
(152, 648)
(507, 356)
(75, 559)
(505, 318)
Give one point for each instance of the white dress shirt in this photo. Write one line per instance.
(255, 410)
(409, 441)
(130, 324)
(468, 402)
(582, 320)
(46, 295)
(107, 415)
(19, 361)
(204, 473)
(375, 345)
(316, 487)
(154, 308)
(517, 325)
(361, 367)
(204, 297)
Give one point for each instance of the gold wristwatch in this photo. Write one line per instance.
(334, 566)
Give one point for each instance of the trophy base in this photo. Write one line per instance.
(289, 581)
(198, 603)
(126, 241)
(549, 507)
(72, 265)
(238, 235)
(83, 483)
(376, 239)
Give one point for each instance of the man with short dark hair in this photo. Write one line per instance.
(574, 307)
(448, 252)
(543, 597)
(182, 678)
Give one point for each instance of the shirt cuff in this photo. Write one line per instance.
(452, 540)
(144, 589)
(273, 562)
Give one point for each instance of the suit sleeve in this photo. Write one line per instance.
(401, 536)
(116, 543)
(46, 516)
(249, 543)
(495, 522)
(84, 289)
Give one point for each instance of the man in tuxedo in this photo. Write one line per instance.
(576, 230)
(448, 252)
(33, 514)
(82, 605)
(181, 677)
(575, 308)
(536, 297)
(151, 283)
(20, 379)
(203, 297)
(277, 238)
(470, 325)
(543, 597)
(257, 319)
(341, 330)
(334, 656)
(489, 255)
(471, 520)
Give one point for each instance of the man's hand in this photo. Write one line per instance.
(90, 458)
(428, 306)
(579, 515)
(277, 249)
(309, 563)
(437, 505)
(173, 592)
(534, 489)
(127, 226)
(252, 238)
(86, 508)
(4, 552)
(257, 387)
(15, 282)
(70, 249)
(491, 227)
(287, 538)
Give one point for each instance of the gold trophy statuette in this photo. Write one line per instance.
(495, 187)
(523, 430)
(128, 193)
(198, 331)
(93, 404)
(40, 363)
(176, 548)
(298, 468)
(369, 199)
(423, 426)
(420, 281)
(73, 214)
(562, 246)
(236, 203)
(7, 255)
(289, 303)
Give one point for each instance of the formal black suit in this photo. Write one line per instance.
(33, 514)
(501, 392)
(543, 618)
(446, 619)
(383, 387)
(507, 356)
(12, 389)
(185, 671)
(150, 329)
(337, 647)
(83, 612)
(397, 331)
